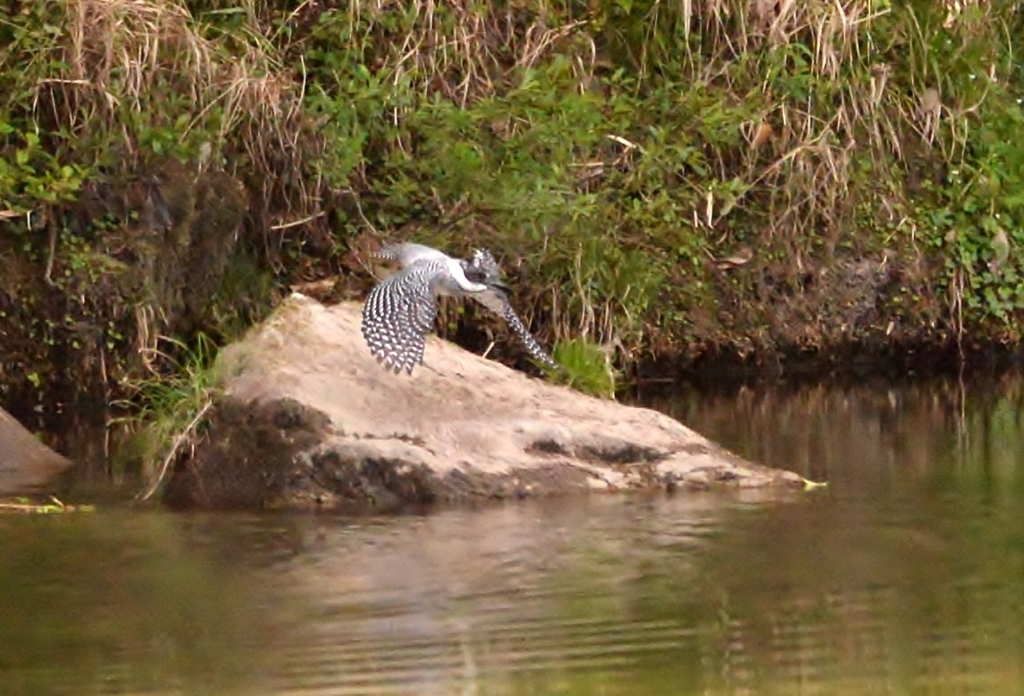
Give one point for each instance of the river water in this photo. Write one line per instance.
(904, 575)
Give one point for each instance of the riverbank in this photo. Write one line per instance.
(755, 186)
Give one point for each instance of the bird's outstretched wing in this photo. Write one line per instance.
(496, 300)
(408, 253)
(398, 315)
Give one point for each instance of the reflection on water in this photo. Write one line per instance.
(905, 575)
(872, 435)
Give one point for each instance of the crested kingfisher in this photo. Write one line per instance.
(402, 309)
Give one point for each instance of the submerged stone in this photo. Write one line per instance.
(308, 419)
(26, 464)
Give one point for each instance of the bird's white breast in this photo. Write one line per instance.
(459, 275)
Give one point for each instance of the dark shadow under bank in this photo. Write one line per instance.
(65, 413)
(844, 364)
(70, 424)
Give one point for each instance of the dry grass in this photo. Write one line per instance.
(802, 152)
(467, 49)
(137, 64)
(52, 506)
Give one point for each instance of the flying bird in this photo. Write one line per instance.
(402, 309)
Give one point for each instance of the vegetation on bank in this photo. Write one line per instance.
(663, 180)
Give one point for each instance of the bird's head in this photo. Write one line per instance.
(482, 268)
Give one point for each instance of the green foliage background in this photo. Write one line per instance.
(667, 180)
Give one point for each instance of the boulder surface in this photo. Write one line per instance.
(308, 419)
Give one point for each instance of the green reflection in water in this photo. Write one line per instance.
(905, 575)
(124, 603)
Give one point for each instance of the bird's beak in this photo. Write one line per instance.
(500, 285)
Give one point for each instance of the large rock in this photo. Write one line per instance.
(309, 419)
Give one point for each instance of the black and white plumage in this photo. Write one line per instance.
(401, 310)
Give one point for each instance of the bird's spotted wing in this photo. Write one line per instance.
(397, 316)
(497, 301)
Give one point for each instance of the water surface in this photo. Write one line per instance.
(904, 575)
